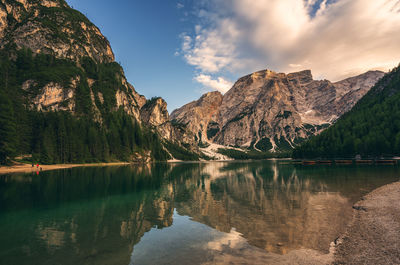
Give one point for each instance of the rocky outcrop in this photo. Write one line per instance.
(52, 27)
(356, 88)
(52, 96)
(272, 111)
(154, 113)
(200, 116)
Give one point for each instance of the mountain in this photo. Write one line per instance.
(272, 111)
(65, 99)
(154, 113)
(199, 116)
(370, 129)
(52, 28)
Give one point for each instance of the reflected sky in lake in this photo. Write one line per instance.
(184, 213)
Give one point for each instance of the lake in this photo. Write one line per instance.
(183, 213)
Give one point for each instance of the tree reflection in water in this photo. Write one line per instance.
(215, 211)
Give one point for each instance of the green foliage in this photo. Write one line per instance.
(286, 114)
(7, 129)
(90, 66)
(370, 129)
(282, 144)
(308, 126)
(83, 101)
(43, 68)
(107, 84)
(60, 137)
(178, 125)
(180, 152)
(298, 140)
(203, 144)
(212, 129)
(150, 102)
(241, 115)
(56, 18)
(264, 144)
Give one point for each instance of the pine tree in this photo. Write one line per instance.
(7, 129)
(62, 138)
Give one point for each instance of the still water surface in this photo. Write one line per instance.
(187, 213)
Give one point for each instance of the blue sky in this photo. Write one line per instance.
(145, 35)
(179, 49)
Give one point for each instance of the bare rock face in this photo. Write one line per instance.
(273, 111)
(27, 24)
(357, 87)
(54, 94)
(200, 114)
(154, 113)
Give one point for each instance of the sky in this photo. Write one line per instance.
(180, 49)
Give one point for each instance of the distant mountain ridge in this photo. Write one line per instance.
(370, 129)
(272, 111)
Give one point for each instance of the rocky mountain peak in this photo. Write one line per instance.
(155, 112)
(51, 26)
(210, 98)
(302, 77)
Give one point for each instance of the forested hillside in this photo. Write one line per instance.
(60, 136)
(64, 99)
(370, 129)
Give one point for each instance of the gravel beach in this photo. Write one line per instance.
(373, 236)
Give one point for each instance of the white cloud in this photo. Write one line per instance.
(186, 43)
(180, 5)
(220, 84)
(207, 51)
(334, 39)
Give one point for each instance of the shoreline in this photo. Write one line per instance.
(371, 237)
(373, 234)
(27, 168)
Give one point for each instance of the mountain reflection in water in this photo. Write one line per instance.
(213, 212)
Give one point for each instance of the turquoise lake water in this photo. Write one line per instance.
(183, 213)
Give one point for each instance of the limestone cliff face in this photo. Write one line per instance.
(155, 114)
(201, 114)
(52, 95)
(358, 85)
(269, 110)
(52, 27)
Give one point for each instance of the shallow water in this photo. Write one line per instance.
(187, 213)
